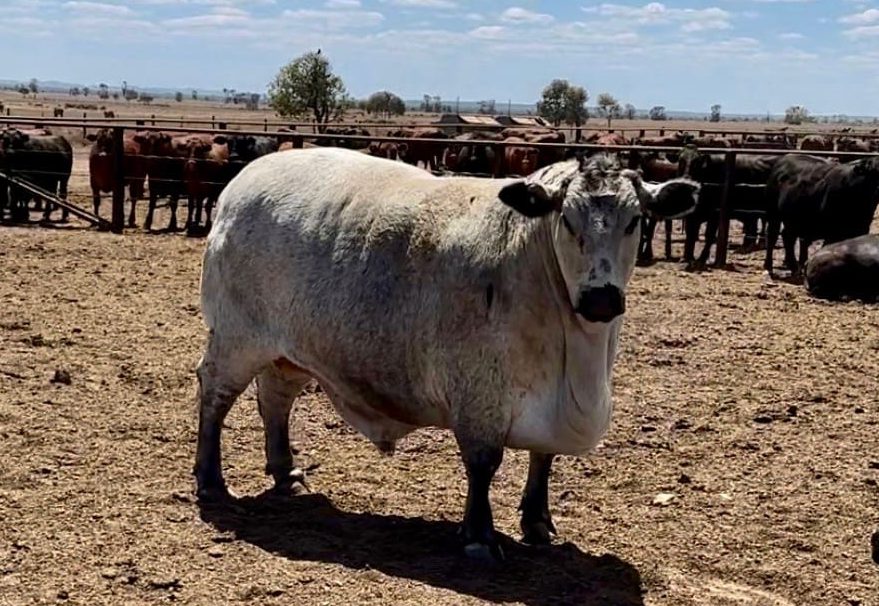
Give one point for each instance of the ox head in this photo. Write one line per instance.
(594, 207)
(241, 148)
(102, 141)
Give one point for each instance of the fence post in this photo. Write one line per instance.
(641, 133)
(84, 128)
(498, 168)
(213, 121)
(153, 118)
(661, 132)
(723, 227)
(298, 141)
(265, 125)
(118, 222)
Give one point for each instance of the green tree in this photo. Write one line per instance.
(715, 113)
(86, 91)
(629, 111)
(657, 112)
(308, 84)
(563, 102)
(178, 97)
(33, 87)
(797, 114)
(608, 107)
(385, 104)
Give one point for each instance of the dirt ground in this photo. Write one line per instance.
(754, 406)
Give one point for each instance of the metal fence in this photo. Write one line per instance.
(298, 139)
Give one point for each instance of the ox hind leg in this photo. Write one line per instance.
(151, 210)
(536, 523)
(669, 226)
(645, 246)
(277, 388)
(225, 371)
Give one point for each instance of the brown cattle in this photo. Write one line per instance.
(519, 160)
(101, 171)
(386, 149)
(851, 144)
(817, 143)
(611, 139)
(545, 156)
(418, 151)
(204, 175)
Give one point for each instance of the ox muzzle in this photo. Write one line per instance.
(601, 304)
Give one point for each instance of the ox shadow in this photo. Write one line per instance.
(309, 527)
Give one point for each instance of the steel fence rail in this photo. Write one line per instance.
(298, 139)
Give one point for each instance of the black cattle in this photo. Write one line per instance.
(43, 160)
(245, 149)
(746, 204)
(818, 200)
(655, 167)
(165, 160)
(846, 270)
(464, 156)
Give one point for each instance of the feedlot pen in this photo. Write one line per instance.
(753, 405)
(748, 408)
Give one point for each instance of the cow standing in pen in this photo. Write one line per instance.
(490, 307)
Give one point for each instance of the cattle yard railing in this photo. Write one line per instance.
(225, 124)
(298, 139)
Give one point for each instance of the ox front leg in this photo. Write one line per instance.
(275, 395)
(481, 463)
(151, 209)
(536, 524)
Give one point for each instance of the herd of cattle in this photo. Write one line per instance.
(812, 198)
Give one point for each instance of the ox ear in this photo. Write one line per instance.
(670, 200)
(541, 192)
(91, 137)
(220, 139)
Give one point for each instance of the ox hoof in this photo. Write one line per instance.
(291, 483)
(487, 554)
(214, 493)
(537, 533)
(875, 544)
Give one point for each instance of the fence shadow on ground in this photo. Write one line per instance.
(310, 527)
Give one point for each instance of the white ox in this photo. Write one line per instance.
(489, 307)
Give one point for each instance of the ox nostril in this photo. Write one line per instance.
(601, 304)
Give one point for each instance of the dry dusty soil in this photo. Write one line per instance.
(753, 407)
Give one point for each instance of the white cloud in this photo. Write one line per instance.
(98, 8)
(334, 19)
(871, 15)
(791, 36)
(865, 31)
(489, 32)
(342, 3)
(517, 14)
(657, 13)
(424, 3)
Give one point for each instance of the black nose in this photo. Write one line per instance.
(601, 304)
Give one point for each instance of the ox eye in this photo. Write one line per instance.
(630, 228)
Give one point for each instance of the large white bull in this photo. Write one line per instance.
(488, 307)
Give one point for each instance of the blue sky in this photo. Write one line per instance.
(749, 55)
